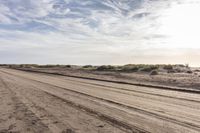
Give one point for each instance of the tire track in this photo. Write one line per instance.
(121, 125)
(130, 90)
(22, 113)
(118, 82)
(189, 125)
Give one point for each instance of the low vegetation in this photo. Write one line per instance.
(151, 69)
(154, 72)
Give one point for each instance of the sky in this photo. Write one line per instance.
(100, 32)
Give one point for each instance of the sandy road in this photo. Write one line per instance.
(32, 102)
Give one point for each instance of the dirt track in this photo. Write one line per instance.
(32, 102)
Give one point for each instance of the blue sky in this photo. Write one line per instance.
(99, 31)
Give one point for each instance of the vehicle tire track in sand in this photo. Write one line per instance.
(19, 118)
(118, 104)
(59, 90)
(41, 112)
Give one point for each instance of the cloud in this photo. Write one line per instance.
(106, 16)
(89, 30)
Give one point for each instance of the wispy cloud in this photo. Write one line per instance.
(83, 32)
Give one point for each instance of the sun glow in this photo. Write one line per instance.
(181, 24)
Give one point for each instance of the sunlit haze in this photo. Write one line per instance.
(100, 31)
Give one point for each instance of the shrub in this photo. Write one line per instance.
(177, 70)
(153, 72)
(197, 70)
(189, 71)
(148, 68)
(171, 71)
(68, 66)
(168, 67)
(87, 66)
(48, 66)
(129, 68)
(105, 68)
